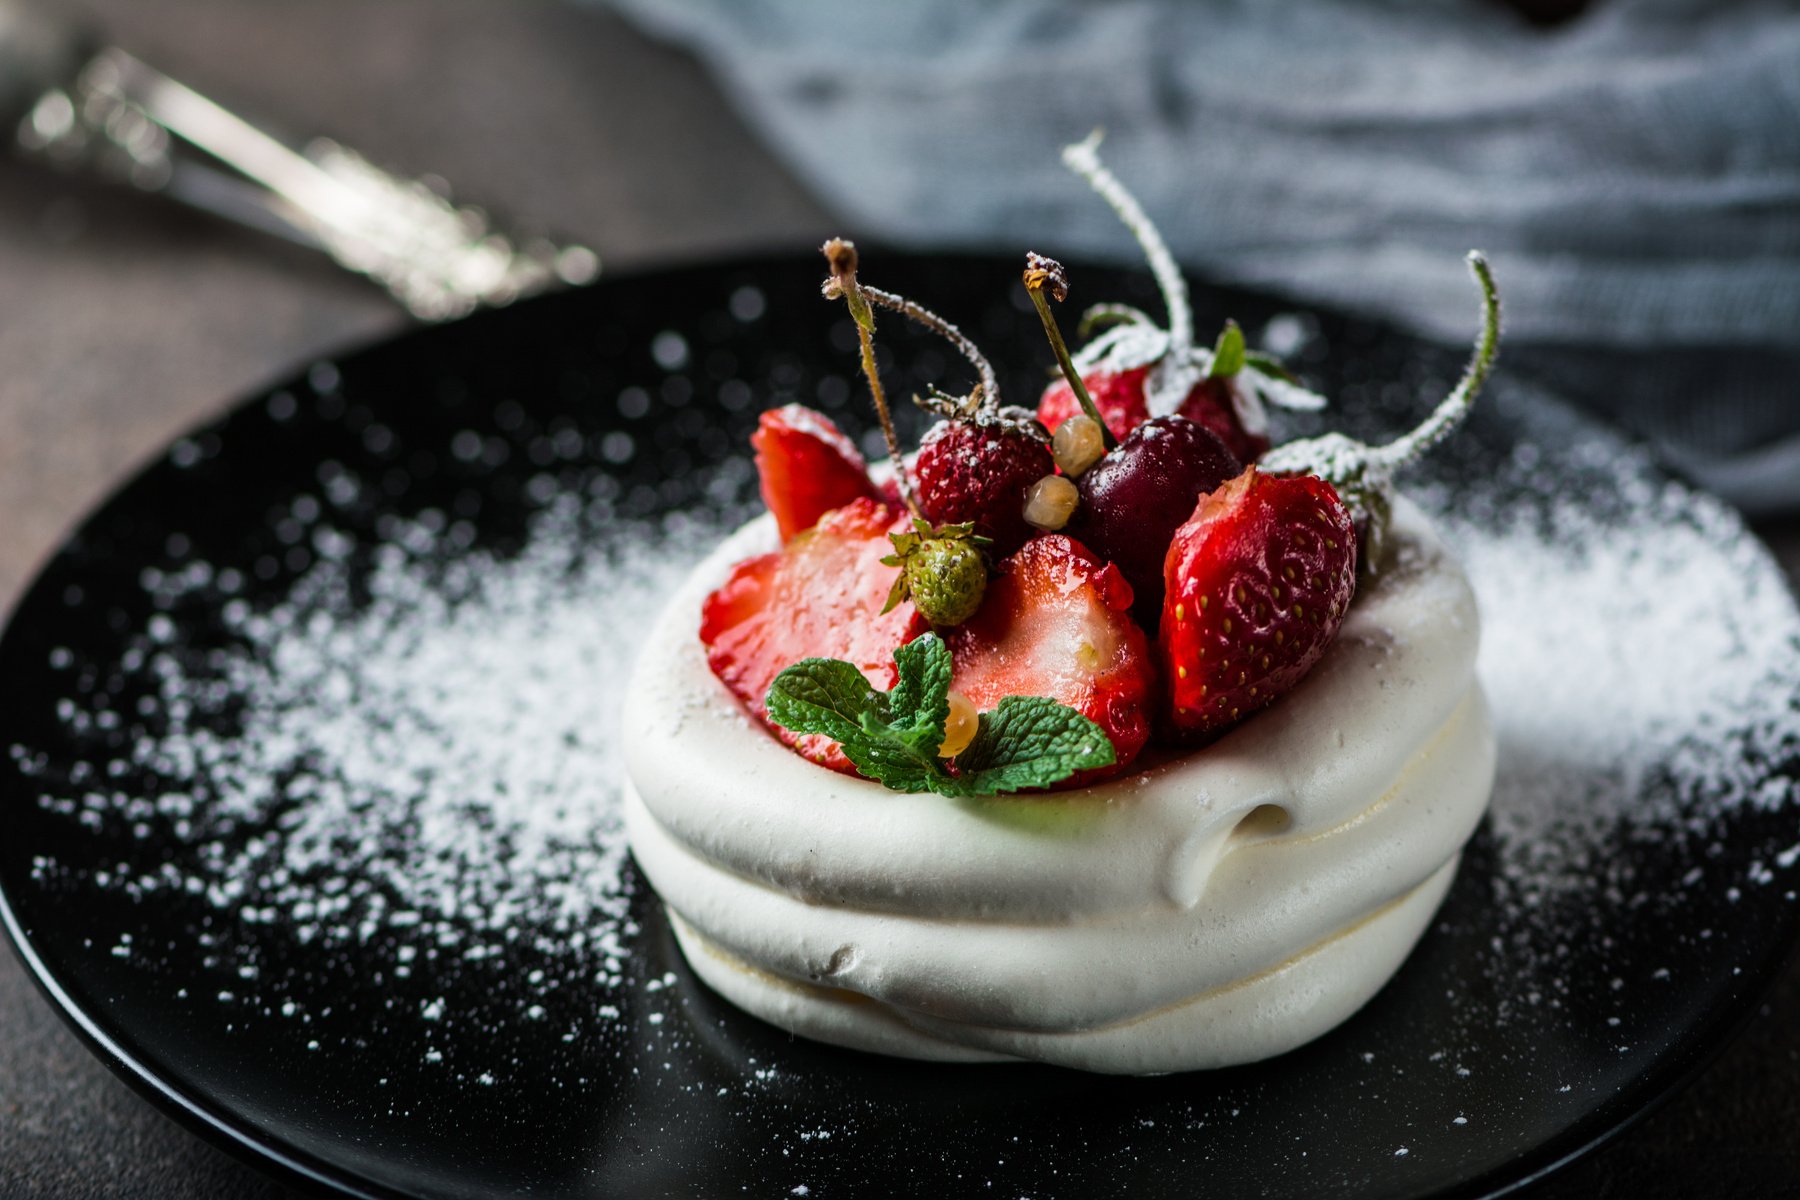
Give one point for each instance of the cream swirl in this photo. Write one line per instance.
(1214, 907)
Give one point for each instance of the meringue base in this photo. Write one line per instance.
(1216, 906)
(1223, 1027)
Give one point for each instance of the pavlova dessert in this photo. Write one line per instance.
(1106, 735)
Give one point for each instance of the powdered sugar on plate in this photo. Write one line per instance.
(412, 753)
(1642, 664)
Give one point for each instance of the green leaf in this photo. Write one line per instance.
(1228, 354)
(921, 698)
(1030, 741)
(901, 589)
(892, 738)
(825, 695)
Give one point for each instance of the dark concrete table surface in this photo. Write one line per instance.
(124, 320)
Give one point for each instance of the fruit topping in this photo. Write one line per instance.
(1077, 444)
(976, 466)
(960, 723)
(1258, 581)
(1138, 512)
(1051, 502)
(981, 474)
(806, 466)
(1047, 280)
(941, 571)
(1057, 623)
(1118, 396)
(821, 594)
(1135, 498)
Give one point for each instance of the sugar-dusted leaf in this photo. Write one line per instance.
(1228, 353)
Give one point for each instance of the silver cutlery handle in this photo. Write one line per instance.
(110, 112)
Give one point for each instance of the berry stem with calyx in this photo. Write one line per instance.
(1364, 475)
(1451, 411)
(990, 383)
(1083, 158)
(1043, 274)
(840, 255)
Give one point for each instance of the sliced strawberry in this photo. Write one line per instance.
(1056, 622)
(1120, 398)
(981, 474)
(807, 467)
(820, 596)
(1258, 581)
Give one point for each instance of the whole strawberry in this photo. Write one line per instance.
(976, 473)
(978, 465)
(1257, 582)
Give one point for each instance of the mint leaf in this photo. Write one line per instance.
(1029, 742)
(921, 698)
(1228, 354)
(892, 738)
(825, 695)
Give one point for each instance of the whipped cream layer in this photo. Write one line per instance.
(1217, 906)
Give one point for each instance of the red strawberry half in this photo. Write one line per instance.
(980, 473)
(1056, 622)
(1120, 398)
(820, 596)
(807, 467)
(1258, 581)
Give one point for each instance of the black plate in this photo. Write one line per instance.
(538, 1032)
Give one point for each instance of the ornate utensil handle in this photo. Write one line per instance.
(104, 110)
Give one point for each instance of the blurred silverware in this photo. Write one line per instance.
(78, 104)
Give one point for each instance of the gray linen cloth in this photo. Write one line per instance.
(1633, 173)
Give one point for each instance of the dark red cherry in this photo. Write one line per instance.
(1134, 499)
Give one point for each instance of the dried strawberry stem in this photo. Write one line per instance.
(1046, 274)
(1451, 411)
(990, 383)
(1083, 158)
(840, 254)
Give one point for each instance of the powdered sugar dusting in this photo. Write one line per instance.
(413, 754)
(1642, 670)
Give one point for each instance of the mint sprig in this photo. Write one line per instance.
(893, 737)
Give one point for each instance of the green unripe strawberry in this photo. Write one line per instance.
(941, 570)
(947, 578)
